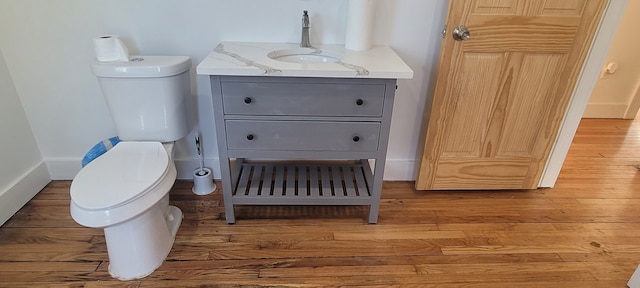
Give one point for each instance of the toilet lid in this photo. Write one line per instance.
(121, 174)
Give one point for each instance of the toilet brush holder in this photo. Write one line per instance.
(203, 181)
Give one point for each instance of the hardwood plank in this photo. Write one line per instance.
(505, 249)
(49, 266)
(283, 249)
(399, 234)
(25, 235)
(339, 271)
(78, 284)
(50, 276)
(59, 251)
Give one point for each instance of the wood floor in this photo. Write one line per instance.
(585, 232)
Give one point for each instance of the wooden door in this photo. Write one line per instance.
(501, 95)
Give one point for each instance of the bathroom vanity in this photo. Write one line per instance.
(299, 126)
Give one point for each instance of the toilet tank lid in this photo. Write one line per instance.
(143, 66)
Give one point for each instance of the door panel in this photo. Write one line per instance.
(501, 95)
(463, 140)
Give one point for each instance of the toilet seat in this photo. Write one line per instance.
(120, 176)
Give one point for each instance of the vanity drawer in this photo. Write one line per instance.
(304, 99)
(302, 135)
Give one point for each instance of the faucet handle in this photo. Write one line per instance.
(304, 41)
(305, 18)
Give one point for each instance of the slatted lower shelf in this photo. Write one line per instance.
(302, 184)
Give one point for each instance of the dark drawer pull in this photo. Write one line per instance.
(250, 137)
(247, 100)
(359, 102)
(356, 138)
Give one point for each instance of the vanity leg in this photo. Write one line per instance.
(375, 188)
(225, 169)
(227, 191)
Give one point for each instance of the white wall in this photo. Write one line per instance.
(48, 49)
(613, 93)
(22, 170)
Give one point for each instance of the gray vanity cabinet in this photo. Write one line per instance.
(302, 141)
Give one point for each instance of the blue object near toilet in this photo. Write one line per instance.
(99, 149)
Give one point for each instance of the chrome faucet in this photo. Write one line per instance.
(305, 29)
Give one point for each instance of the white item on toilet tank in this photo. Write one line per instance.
(147, 97)
(109, 48)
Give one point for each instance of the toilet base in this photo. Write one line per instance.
(138, 247)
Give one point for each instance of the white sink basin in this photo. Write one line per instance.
(305, 55)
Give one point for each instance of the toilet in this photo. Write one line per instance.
(125, 191)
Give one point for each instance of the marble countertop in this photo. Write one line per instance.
(250, 59)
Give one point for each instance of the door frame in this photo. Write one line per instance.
(581, 94)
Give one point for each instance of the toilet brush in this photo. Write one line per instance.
(200, 172)
(202, 176)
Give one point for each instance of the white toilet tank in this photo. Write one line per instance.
(147, 97)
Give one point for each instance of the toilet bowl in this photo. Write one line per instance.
(126, 192)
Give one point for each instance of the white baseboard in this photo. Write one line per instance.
(63, 168)
(399, 170)
(605, 110)
(18, 194)
(66, 169)
(186, 167)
